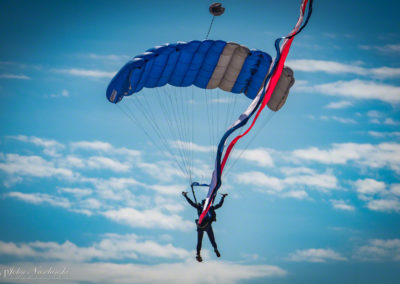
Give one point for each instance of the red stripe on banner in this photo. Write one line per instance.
(203, 214)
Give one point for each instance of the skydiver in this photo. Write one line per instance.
(206, 224)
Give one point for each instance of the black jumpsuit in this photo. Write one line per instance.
(208, 227)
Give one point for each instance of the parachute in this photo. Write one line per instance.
(208, 65)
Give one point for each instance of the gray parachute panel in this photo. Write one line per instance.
(281, 92)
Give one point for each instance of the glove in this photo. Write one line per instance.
(184, 193)
(224, 195)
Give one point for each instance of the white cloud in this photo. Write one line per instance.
(63, 163)
(342, 205)
(64, 94)
(93, 145)
(178, 144)
(103, 147)
(35, 166)
(392, 47)
(169, 170)
(51, 146)
(339, 119)
(38, 141)
(358, 89)
(179, 272)
(339, 154)
(169, 189)
(81, 206)
(382, 48)
(384, 134)
(86, 73)
(297, 194)
(296, 171)
(391, 121)
(344, 120)
(395, 189)
(111, 57)
(40, 198)
(333, 67)
(72, 162)
(168, 204)
(379, 250)
(115, 183)
(295, 178)
(369, 186)
(339, 105)
(11, 181)
(384, 205)
(117, 189)
(319, 181)
(90, 203)
(111, 247)
(112, 198)
(151, 218)
(100, 162)
(95, 162)
(310, 178)
(260, 156)
(261, 180)
(20, 65)
(79, 192)
(373, 156)
(315, 255)
(385, 72)
(374, 114)
(377, 196)
(15, 76)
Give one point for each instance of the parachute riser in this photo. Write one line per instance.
(194, 195)
(196, 184)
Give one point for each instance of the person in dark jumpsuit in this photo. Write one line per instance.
(206, 224)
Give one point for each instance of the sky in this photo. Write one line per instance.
(314, 190)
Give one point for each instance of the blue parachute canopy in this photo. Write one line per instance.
(206, 64)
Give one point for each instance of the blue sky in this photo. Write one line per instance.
(315, 197)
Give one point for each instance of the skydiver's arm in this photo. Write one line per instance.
(190, 201)
(220, 203)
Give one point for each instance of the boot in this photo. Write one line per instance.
(217, 252)
(198, 258)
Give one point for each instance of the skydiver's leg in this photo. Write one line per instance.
(200, 234)
(199, 240)
(210, 234)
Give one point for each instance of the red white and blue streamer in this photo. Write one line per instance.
(257, 105)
